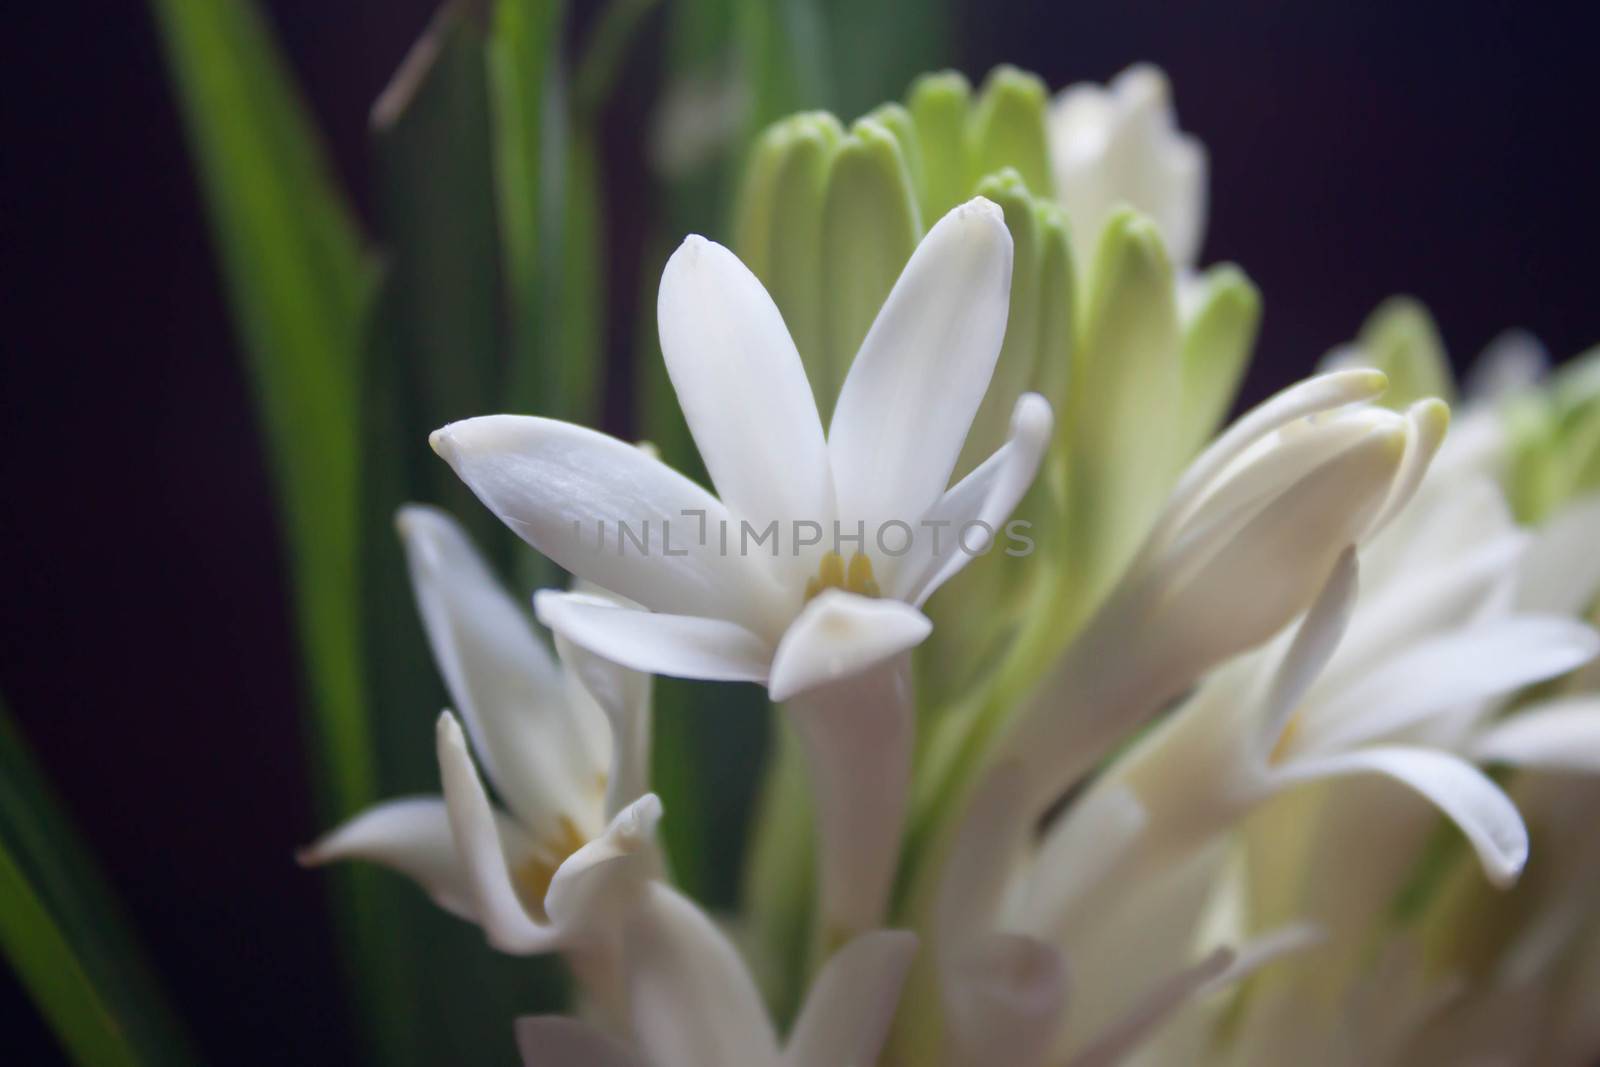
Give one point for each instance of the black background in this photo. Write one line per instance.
(1357, 150)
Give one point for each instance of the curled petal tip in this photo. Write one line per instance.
(442, 443)
(981, 207)
(1432, 415)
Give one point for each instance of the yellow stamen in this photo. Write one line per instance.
(1291, 730)
(533, 878)
(857, 577)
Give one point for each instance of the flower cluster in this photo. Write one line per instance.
(1202, 779)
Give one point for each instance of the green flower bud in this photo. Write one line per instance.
(870, 225)
(1007, 129)
(1126, 400)
(789, 259)
(938, 106)
(1217, 340)
(1013, 372)
(1400, 339)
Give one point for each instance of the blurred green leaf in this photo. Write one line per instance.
(63, 934)
(440, 329)
(523, 77)
(297, 282)
(299, 285)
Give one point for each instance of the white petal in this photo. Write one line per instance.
(1463, 669)
(988, 496)
(1151, 1010)
(852, 1002)
(1325, 392)
(1407, 606)
(1561, 572)
(1561, 735)
(857, 736)
(1426, 422)
(1511, 363)
(983, 858)
(412, 836)
(623, 697)
(1459, 790)
(693, 1002)
(506, 923)
(742, 387)
(1078, 852)
(503, 680)
(1314, 643)
(601, 883)
(840, 634)
(590, 502)
(557, 1041)
(915, 386)
(680, 646)
(1265, 949)
(1004, 996)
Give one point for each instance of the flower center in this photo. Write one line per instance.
(533, 878)
(1291, 730)
(834, 574)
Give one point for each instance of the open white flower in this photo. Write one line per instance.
(728, 584)
(565, 745)
(1120, 145)
(693, 1003)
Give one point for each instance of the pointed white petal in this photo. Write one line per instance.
(852, 1002)
(1258, 952)
(1325, 392)
(693, 1002)
(1004, 996)
(1426, 423)
(987, 496)
(1561, 572)
(1560, 735)
(742, 387)
(1314, 643)
(1463, 669)
(567, 491)
(623, 697)
(857, 736)
(840, 634)
(680, 646)
(558, 1041)
(601, 883)
(503, 680)
(1408, 605)
(911, 394)
(506, 923)
(413, 837)
(1459, 790)
(1152, 1009)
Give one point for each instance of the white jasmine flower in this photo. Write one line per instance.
(718, 600)
(1120, 144)
(693, 1003)
(564, 743)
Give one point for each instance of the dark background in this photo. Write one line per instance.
(145, 646)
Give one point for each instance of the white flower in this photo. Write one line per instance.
(1245, 543)
(693, 1004)
(719, 601)
(1120, 144)
(565, 745)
